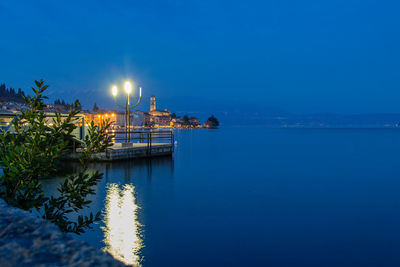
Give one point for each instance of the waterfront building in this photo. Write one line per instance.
(157, 118)
(6, 117)
(194, 122)
(12, 106)
(138, 118)
(120, 119)
(152, 103)
(176, 122)
(98, 117)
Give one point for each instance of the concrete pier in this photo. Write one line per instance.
(149, 143)
(120, 151)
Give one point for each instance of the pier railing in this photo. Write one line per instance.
(150, 137)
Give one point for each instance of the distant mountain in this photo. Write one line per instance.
(323, 120)
(276, 118)
(236, 113)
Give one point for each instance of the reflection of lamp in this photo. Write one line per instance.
(121, 228)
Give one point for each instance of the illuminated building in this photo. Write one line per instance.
(99, 117)
(157, 118)
(152, 103)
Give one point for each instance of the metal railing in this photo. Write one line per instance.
(150, 137)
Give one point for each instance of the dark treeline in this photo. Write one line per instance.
(10, 94)
(62, 102)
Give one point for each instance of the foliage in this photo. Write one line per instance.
(212, 122)
(97, 139)
(60, 102)
(11, 94)
(33, 152)
(190, 121)
(95, 108)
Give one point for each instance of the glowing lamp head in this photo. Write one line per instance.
(128, 87)
(140, 91)
(114, 90)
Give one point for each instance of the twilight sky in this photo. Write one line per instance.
(301, 56)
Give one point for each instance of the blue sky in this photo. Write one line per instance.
(300, 56)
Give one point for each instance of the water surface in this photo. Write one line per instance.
(258, 196)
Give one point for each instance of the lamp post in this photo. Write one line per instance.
(128, 106)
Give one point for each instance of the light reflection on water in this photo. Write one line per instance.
(121, 230)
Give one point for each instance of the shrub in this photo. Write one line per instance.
(32, 152)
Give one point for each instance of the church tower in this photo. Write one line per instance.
(152, 103)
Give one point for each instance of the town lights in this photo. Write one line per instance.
(128, 88)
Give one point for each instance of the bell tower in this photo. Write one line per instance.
(152, 103)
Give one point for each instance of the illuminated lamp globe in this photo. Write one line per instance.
(128, 87)
(114, 90)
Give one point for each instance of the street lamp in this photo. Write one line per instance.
(128, 106)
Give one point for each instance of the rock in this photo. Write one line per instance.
(26, 240)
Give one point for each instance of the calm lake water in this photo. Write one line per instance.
(256, 196)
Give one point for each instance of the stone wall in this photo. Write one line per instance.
(26, 240)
